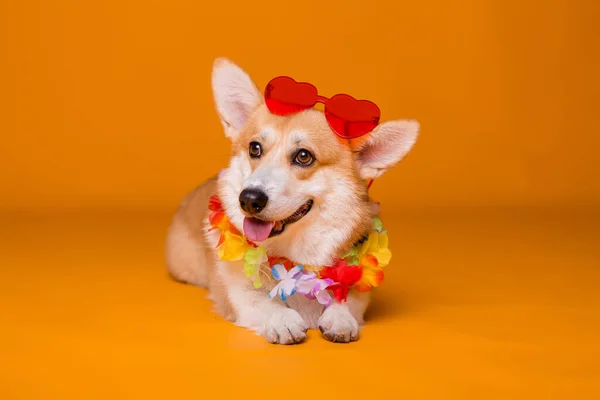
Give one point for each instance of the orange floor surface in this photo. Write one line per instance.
(477, 304)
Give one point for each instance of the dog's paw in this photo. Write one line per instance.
(338, 325)
(285, 326)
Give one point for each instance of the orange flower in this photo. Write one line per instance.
(373, 255)
(372, 274)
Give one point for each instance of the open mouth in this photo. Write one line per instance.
(257, 230)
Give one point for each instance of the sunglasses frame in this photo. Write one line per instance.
(345, 127)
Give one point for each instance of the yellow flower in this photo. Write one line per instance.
(373, 255)
(381, 251)
(377, 246)
(233, 247)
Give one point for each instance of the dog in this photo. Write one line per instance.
(295, 176)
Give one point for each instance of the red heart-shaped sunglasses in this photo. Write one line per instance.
(348, 118)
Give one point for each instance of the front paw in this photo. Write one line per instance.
(285, 326)
(338, 325)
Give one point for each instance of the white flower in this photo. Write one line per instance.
(287, 280)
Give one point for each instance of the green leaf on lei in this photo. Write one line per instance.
(377, 224)
(253, 259)
(351, 252)
(351, 257)
(255, 255)
(250, 269)
(353, 260)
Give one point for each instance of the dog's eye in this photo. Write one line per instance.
(255, 150)
(303, 158)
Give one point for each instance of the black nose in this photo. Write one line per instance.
(253, 200)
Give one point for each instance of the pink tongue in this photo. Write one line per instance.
(257, 230)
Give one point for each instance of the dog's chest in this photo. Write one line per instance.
(309, 310)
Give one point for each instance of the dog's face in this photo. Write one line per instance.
(292, 184)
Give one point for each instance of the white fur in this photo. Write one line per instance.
(286, 323)
(386, 146)
(315, 237)
(235, 95)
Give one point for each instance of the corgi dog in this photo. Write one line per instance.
(294, 189)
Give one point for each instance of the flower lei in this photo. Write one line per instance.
(360, 269)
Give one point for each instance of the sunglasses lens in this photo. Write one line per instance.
(285, 96)
(351, 118)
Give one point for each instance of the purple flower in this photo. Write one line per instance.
(314, 288)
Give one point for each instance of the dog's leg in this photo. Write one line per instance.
(341, 322)
(254, 310)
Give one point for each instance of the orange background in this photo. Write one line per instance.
(107, 120)
(108, 104)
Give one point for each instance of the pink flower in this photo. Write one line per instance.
(314, 288)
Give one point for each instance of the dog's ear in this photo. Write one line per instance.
(236, 96)
(385, 147)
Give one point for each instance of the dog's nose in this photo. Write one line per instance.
(253, 200)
